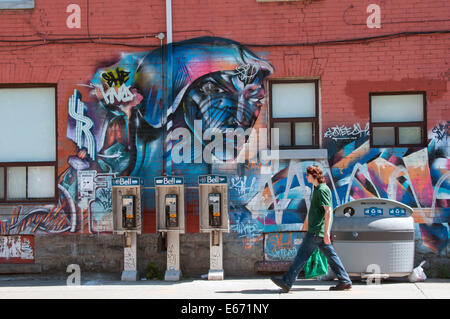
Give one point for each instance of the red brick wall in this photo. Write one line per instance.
(347, 71)
(290, 35)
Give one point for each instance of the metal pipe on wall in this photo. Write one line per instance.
(167, 165)
(169, 20)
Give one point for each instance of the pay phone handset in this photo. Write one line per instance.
(128, 213)
(215, 219)
(171, 210)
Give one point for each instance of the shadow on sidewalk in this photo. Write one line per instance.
(296, 287)
(262, 291)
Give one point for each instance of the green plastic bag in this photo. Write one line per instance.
(316, 265)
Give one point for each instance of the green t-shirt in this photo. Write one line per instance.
(316, 218)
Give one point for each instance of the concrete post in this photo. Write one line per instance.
(173, 272)
(130, 272)
(216, 256)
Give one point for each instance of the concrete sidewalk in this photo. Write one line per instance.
(104, 287)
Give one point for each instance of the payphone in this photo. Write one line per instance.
(127, 219)
(214, 218)
(128, 214)
(214, 208)
(171, 210)
(170, 220)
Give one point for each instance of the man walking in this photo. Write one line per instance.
(319, 222)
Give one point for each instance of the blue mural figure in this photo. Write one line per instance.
(146, 96)
(212, 80)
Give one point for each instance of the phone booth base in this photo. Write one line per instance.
(173, 272)
(130, 272)
(172, 275)
(215, 275)
(216, 256)
(129, 275)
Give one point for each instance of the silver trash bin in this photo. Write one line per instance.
(374, 235)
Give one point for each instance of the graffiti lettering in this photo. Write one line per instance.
(239, 184)
(441, 131)
(345, 132)
(83, 124)
(246, 72)
(246, 229)
(116, 78)
(121, 94)
(15, 247)
(281, 246)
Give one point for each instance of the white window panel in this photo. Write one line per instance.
(41, 181)
(383, 136)
(303, 133)
(27, 118)
(293, 100)
(16, 182)
(409, 135)
(284, 133)
(397, 108)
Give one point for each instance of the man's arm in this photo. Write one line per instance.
(326, 236)
(305, 224)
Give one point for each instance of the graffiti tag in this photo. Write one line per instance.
(83, 124)
(347, 132)
(121, 94)
(116, 78)
(281, 246)
(246, 72)
(16, 247)
(246, 229)
(441, 131)
(240, 184)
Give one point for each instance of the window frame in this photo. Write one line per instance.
(16, 5)
(292, 120)
(28, 164)
(396, 125)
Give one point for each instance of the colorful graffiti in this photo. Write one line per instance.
(16, 249)
(342, 132)
(281, 246)
(124, 124)
(418, 177)
(123, 121)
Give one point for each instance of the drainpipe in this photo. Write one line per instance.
(169, 20)
(167, 163)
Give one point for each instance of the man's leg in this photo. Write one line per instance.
(309, 244)
(335, 263)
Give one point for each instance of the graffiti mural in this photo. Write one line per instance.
(127, 117)
(123, 122)
(441, 131)
(16, 249)
(281, 246)
(418, 177)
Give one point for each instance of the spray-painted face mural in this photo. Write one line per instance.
(225, 100)
(144, 97)
(124, 124)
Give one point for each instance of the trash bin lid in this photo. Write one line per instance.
(373, 207)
